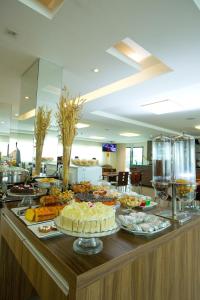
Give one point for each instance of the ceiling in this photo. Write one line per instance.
(77, 39)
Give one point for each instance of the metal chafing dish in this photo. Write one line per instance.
(13, 174)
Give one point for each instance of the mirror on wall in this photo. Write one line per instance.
(5, 123)
(41, 85)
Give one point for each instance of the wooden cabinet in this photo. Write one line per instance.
(146, 174)
(149, 151)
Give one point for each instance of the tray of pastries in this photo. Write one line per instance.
(141, 223)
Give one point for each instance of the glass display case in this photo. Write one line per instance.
(174, 165)
(184, 168)
(162, 165)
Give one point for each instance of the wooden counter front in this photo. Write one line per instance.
(129, 268)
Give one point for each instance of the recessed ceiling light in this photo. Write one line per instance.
(96, 70)
(129, 134)
(82, 125)
(27, 98)
(97, 137)
(197, 127)
(162, 107)
(2, 122)
(16, 115)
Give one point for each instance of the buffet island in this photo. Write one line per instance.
(130, 266)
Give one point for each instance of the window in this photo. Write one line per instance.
(128, 158)
(137, 155)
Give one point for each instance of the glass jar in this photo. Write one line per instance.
(161, 165)
(184, 167)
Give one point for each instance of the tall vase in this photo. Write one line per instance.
(66, 163)
(38, 159)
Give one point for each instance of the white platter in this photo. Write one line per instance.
(41, 235)
(148, 207)
(144, 208)
(143, 233)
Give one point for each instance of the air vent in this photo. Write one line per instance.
(11, 33)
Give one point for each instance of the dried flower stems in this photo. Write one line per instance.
(42, 123)
(67, 117)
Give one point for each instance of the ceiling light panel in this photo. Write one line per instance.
(97, 137)
(197, 126)
(162, 107)
(82, 125)
(129, 52)
(129, 134)
(47, 8)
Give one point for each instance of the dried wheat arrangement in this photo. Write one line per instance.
(67, 116)
(42, 123)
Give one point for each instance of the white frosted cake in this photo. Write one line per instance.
(87, 217)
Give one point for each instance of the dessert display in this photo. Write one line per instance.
(24, 189)
(142, 223)
(87, 217)
(84, 162)
(47, 228)
(40, 214)
(82, 187)
(136, 200)
(58, 198)
(47, 182)
(65, 196)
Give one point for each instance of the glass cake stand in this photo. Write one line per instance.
(87, 243)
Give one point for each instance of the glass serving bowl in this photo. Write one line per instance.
(186, 192)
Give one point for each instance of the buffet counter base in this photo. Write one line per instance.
(129, 267)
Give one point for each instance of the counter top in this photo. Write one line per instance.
(119, 250)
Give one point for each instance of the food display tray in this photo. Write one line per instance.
(22, 217)
(38, 194)
(146, 234)
(41, 235)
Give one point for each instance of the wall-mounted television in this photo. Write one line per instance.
(109, 147)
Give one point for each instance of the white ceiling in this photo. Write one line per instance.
(77, 39)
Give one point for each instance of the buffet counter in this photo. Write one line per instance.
(165, 267)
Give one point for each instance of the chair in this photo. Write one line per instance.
(122, 180)
(136, 180)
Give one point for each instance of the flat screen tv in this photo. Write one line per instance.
(109, 147)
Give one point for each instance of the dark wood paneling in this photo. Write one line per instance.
(14, 284)
(169, 272)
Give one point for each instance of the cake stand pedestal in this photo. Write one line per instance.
(88, 246)
(87, 243)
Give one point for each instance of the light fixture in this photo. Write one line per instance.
(82, 125)
(2, 122)
(27, 115)
(96, 70)
(162, 107)
(97, 137)
(16, 115)
(47, 8)
(197, 127)
(27, 98)
(129, 134)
